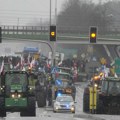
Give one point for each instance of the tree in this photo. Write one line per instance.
(77, 13)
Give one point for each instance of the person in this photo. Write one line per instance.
(73, 91)
(49, 96)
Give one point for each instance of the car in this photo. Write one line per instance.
(64, 103)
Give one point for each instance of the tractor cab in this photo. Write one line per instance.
(16, 95)
(111, 86)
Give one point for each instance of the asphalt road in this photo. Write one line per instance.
(47, 113)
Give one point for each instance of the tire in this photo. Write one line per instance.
(73, 112)
(2, 107)
(54, 111)
(31, 110)
(41, 99)
(99, 106)
(86, 103)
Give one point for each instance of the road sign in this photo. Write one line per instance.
(54, 70)
(58, 82)
(117, 66)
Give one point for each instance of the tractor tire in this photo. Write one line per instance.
(31, 110)
(2, 107)
(86, 103)
(41, 99)
(99, 106)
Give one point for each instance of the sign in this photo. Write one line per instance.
(54, 70)
(36, 56)
(117, 66)
(58, 82)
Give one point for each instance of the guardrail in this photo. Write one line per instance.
(42, 32)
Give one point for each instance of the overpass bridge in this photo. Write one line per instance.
(71, 34)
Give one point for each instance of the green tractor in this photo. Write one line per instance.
(16, 95)
(108, 97)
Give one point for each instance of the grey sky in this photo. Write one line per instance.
(25, 11)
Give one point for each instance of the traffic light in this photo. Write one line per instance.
(52, 33)
(0, 35)
(93, 34)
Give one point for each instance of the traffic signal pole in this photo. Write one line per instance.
(52, 43)
(0, 35)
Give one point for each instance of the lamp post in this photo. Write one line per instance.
(56, 12)
(50, 12)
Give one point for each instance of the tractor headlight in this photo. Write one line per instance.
(13, 96)
(19, 95)
(96, 85)
(1, 88)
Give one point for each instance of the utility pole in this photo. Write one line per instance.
(56, 12)
(50, 12)
(52, 43)
(18, 21)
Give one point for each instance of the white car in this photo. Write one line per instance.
(64, 103)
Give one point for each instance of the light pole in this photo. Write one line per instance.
(50, 12)
(56, 12)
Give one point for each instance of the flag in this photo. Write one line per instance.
(2, 67)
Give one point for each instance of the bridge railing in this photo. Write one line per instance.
(61, 31)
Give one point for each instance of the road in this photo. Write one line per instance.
(47, 113)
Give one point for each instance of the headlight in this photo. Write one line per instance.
(72, 109)
(96, 85)
(1, 88)
(19, 95)
(13, 96)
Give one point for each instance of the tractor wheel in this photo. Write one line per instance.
(2, 107)
(31, 110)
(41, 99)
(99, 106)
(86, 103)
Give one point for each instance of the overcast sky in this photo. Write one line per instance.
(13, 12)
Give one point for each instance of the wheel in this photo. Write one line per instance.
(2, 107)
(99, 106)
(41, 99)
(86, 102)
(73, 111)
(31, 110)
(54, 111)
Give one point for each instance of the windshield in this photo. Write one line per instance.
(111, 87)
(63, 76)
(64, 99)
(114, 87)
(16, 78)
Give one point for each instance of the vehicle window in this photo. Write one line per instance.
(114, 87)
(104, 86)
(64, 99)
(16, 79)
(63, 76)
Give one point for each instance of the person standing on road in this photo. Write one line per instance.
(49, 96)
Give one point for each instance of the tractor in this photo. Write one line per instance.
(94, 82)
(63, 85)
(16, 94)
(108, 97)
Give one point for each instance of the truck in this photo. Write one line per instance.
(16, 94)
